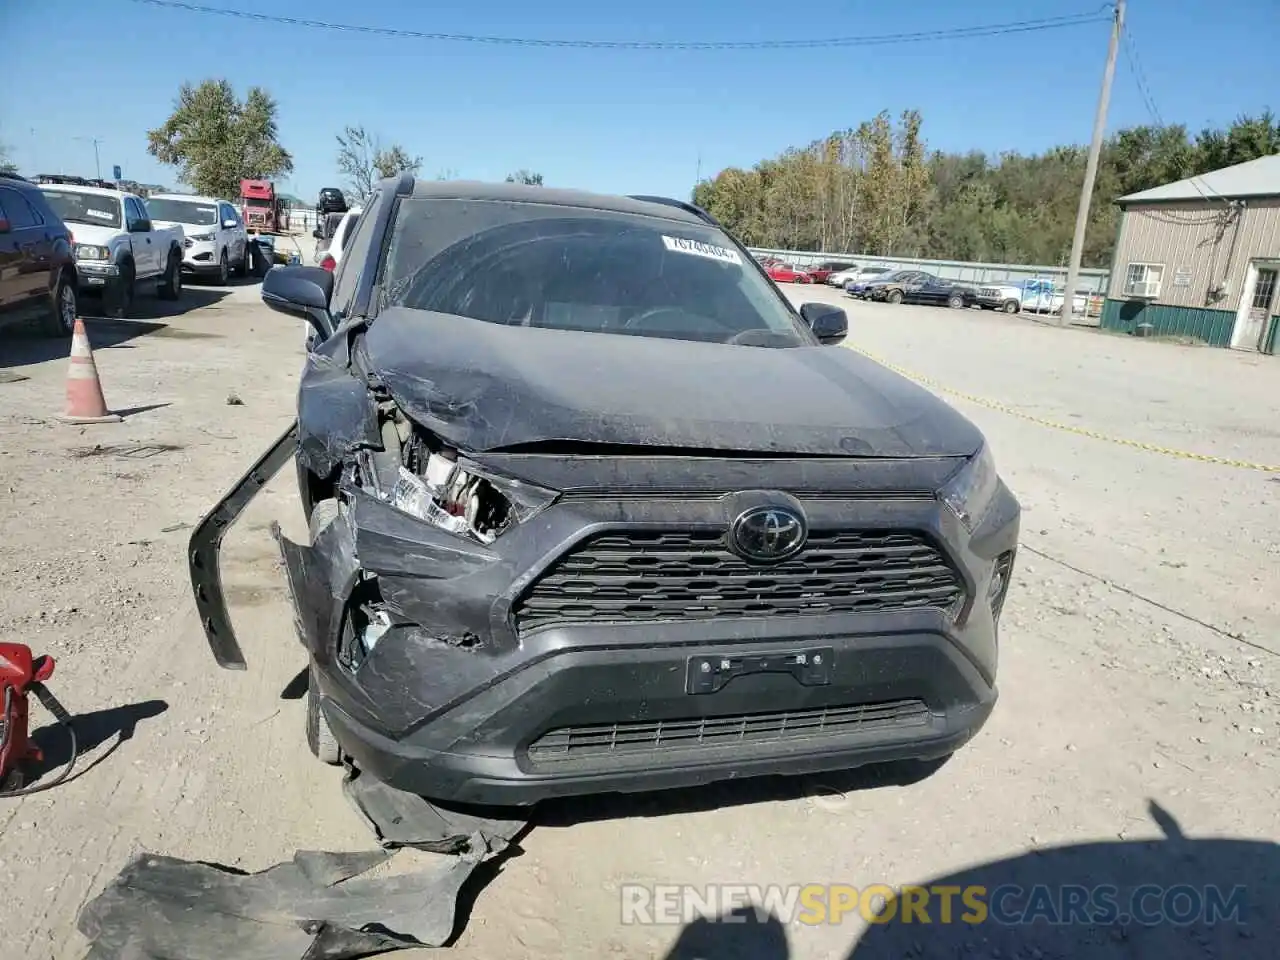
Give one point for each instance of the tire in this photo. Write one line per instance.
(246, 262)
(1010, 306)
(170, 287)
(224, 269)
(893, 296)
(955, 302)
(320, 739)
(60, 320)
(123, 293)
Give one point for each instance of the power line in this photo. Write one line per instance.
(1144, 91)
(954, 33)
(1139, 77)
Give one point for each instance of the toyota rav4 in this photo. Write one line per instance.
(593, 508)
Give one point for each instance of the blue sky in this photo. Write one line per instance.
(610, 120)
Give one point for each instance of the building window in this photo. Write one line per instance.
(1264, 289)
(1143, 280)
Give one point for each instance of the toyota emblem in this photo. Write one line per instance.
(768, 534)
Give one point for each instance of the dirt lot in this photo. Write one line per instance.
(1140, 661)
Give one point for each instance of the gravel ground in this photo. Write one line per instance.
(1140, 682)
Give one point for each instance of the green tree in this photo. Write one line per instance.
(363, 161)
(215, 140)
(877, 189)
(526, 177)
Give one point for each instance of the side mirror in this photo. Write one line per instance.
(301, 292)
(140, 226)
(318, 233)
(829, 324)
(229, 224)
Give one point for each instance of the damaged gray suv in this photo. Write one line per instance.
(593, 508)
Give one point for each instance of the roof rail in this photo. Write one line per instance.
(680, 205)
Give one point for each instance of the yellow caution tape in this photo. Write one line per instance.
(1066, 427)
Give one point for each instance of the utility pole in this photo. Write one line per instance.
(1091, 169)
(97, 160)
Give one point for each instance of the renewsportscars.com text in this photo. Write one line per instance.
(813, 904)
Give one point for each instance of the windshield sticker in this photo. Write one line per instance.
(699, 249)
(101, 214)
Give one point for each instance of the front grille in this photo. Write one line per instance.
(638, 576)
(569, 744)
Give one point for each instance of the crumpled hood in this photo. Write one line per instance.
(483, 386)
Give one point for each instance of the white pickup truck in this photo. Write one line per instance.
(116, 246)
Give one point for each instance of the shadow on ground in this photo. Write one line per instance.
(93, 729)
(733, 793)
(1177, 898)
(22, 345)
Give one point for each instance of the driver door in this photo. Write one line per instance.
(145, 257)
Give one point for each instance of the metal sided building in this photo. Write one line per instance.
(1200, 258)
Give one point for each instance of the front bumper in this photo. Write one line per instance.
(200, 257)
(599, 719)
(97, 275)
(453, 703)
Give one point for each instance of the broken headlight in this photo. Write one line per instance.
(970, 492)
(466, 500)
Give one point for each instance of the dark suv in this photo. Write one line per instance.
(37, 265)
(593, 508)
(331, 201)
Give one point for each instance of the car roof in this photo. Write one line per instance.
(194, 198)
(553, 196)
(79, 188)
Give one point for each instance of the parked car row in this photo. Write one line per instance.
(63, 237)
(1037, 296)
(914, 286)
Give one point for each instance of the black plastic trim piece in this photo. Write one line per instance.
(205, 545)
(678, 204)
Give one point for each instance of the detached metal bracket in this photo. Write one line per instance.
(205, 547)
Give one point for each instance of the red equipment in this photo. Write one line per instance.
(20, 674)
(262, 209)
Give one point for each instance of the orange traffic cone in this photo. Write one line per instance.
(85, 403)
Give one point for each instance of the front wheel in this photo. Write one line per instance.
(1010, 306)
(320, 738)
(894, 296)
(121, 295)
(224, 269)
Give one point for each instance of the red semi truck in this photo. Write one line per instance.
(262, 209)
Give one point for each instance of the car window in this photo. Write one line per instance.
(133, 211)
(195, 212)
(76, 207)
(347, 281)
(17, 211)
(350, 232)
(581, 269)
